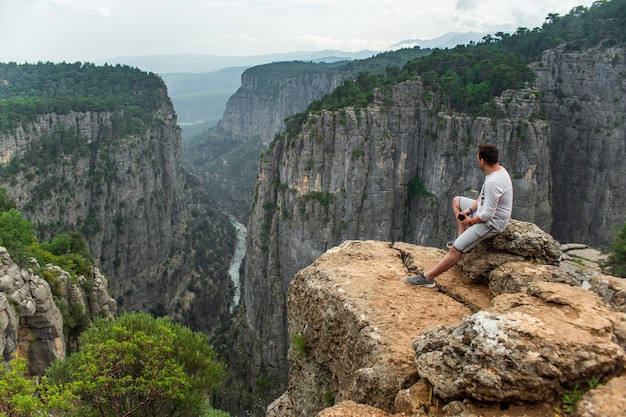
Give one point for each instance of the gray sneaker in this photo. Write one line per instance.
(420, 281)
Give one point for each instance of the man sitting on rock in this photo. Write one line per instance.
(478, 219)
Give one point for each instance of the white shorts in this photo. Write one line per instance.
(474, 234)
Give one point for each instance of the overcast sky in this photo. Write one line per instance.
(90, 30)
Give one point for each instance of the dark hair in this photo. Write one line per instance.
(488, 153)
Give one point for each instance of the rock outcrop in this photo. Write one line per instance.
(363, 342)
(31, 321)
(226, 156)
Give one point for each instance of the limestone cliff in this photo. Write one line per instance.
(226, 156)
(259, 107)
(148, 223)
(365, 343)
(584, 96)
(31, 311)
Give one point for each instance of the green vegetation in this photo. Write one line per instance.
(66, 250)
(298, 345)
(571, 397)
(139, 365)
(468, 77)
(21, 396)
(415, 188)
(135, 365)
(324, 198)
(28, 90)
(616, 263)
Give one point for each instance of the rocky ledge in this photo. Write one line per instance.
(520, 322)
(31, 320)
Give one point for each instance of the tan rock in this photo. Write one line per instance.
(528, 347)
(351, 320)
(352, 409)
(32, 323)
(515, 277)
(527, 240)
(611, 289)
(280, 407)
(520, 241)
(414, 400)
(604, 401)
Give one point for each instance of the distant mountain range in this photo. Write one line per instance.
(201, 84)
(202, 63)
(449, 40)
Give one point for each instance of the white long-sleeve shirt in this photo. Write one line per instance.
(495, 202)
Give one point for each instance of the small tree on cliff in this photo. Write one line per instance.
(617, 257)
(23, 396)
(141, 366)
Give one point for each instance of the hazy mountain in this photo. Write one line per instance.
(449, 40)
(198, 63)
(200, 98)
(199, 85)
(202, 63)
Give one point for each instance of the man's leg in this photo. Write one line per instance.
(427, 279)
(447, 262)
(458, 205)
(474, 234)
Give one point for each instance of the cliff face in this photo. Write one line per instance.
(147, 222)
(259, 107)
(126, 193)
(584, 95)
(386, 172)
(226, 157)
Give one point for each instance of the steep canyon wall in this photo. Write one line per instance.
(584, 96)
(389, 171)
(147, 222)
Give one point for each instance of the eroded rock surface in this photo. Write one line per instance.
(31, 323)
(530, 329)
(529, 347)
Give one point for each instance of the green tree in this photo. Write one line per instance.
(16, 234)
(617, 255)
(22, 396)
(141, 366)
(6, 203)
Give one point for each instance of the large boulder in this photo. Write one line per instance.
(520, 241)
(530, 346)
(351, 320)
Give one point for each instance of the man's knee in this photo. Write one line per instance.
(455, 253)
(456, 202)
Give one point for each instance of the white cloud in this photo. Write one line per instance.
(467, 4)
(103, 11)
(56, 3)
(110, 28)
